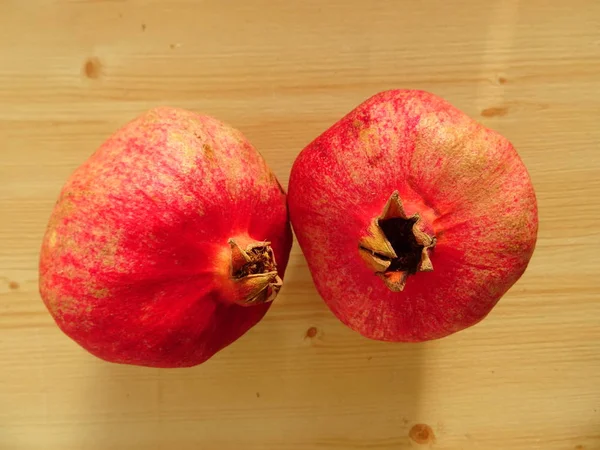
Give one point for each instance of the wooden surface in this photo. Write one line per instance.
(528, 377)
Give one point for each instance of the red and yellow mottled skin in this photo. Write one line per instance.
(469, 186)
(135, 264)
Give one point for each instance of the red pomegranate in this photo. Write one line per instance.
(167, 244)
(414, 218)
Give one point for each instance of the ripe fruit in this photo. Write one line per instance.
(414, 219)
(167, 244)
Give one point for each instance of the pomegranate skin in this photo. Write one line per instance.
(135, 264)
(468, 186)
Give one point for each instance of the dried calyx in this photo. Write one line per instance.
(254, 273)
(395, 246)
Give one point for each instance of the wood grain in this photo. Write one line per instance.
(528, 377)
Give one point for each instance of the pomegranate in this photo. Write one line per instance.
(414, 218)
(167, 244)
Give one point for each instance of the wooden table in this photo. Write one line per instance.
(528, 377)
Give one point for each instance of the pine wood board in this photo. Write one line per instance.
(527, 377)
